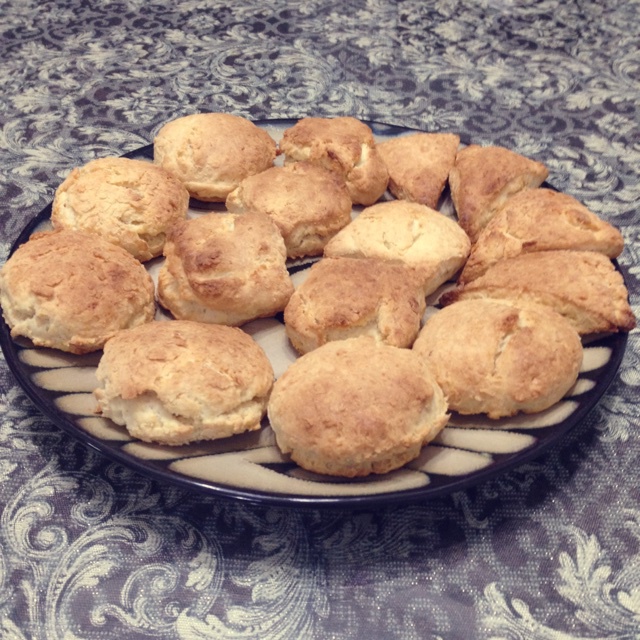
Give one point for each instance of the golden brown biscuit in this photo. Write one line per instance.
(131, 203)
(419, 165)
(540, 220)
(493, 357)
(178, 382)
(355, 407)
(346, 297)
(583, 286)
(211, 153)
(344, 145)
(432, 244)
(73, 290)
(224, 268)
(308, 203)
(483, 178)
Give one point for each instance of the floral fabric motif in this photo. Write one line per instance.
(550, 550)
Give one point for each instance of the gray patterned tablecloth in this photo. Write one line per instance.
(90, 549)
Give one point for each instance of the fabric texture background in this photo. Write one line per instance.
(551, 550)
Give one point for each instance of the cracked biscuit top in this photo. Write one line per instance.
(499, 358)
(344, 145)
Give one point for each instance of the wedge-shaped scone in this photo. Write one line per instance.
(355, 407)
(540, 220)
(211, 153)
(73, 290)
(344, 145)
(483, 178)
(583, 286)
(419, 165)
(224, 268)
(346, 297)
(498, 358)
(308, 203)
(178, 382)
(432, 244)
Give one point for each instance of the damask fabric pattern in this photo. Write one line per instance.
(550, 550)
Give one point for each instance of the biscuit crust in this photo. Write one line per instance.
(484, 178)
(345, 145)
(131, 203)
(419, 165)
(497, 358)
(355, 407)
(179, 382)
(308, 203)
(346, 297)
(540, 220)
(224, 268)
(73, 290)
(211, 153)
(583, 286)
(432, 244)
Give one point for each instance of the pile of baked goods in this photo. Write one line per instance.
(376, 378)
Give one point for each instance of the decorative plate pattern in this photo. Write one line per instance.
(250, 466)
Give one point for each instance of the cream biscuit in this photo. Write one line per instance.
(583, 286)
(540, 220)
(419, 165)
(308, 203)
(224, 268)
(344, 145)
(355, 407)
(131, 203)
(180, 381)
(211, 153)
(347, 297)
(73, 290)
(497, 358)
(483, 178)
(429, 242)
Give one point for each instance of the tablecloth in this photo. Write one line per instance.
(90, 549)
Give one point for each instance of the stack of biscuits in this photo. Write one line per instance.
(527, 272)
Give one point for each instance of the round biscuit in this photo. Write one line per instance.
(73, 290)
(175, 382)
(211, 153)
(355, 407)
(131, 203)
(498, 358)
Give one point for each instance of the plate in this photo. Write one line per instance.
(249, 467)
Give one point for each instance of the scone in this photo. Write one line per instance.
(540, 220)
(73, 290)
(483, 178)
(434, 246)
(347, 297)
(583, 286)
(131, 203)
(178, 382)
(308, 203)
(344, 145)
(496, 358)
(419, 165)
(211, 153)
(224, 268)
(355, 407)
